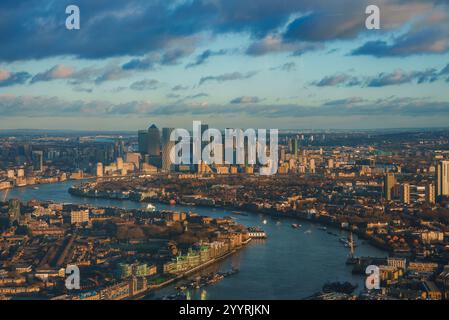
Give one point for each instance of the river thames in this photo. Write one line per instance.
(290, 264)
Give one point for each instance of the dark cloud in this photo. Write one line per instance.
(340, 79)
(400, 77)
(30, 30)
(288, 66)
(12, 78)
(147, 84)
(383, 79)
(433, 39)
(228, 77)
(274, 43)
(205, 55)
(180, 87)
(97, 75)
(139, 64)
(59, 71)
(326, 25)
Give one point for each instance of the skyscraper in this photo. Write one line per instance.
(443, 178)
(294, 147)
(389, 182)
(154, 141)
(142, 137)
(38, 160)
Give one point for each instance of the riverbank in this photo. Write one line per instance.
(301, 215)
(293, 264)
(187, 273)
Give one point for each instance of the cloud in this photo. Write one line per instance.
(274, 43)
(424, 37)
(191, 97)
(245, 100)
(163, 58)
(288, 66)
(8, 78)
(399, 76)
(140, 64)
(173, 96)
(32, 106)
(59, 71)
(38, 106)
(109, 73)
(205, 55)
(383, 79)
(180, 87)
(136, 28)
(337, 80)
(147, 84)
(228, 77)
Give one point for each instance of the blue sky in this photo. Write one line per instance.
(250, 63)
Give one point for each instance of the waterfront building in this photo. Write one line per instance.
(397, 263)
(137, 285)
(118, 291)
(124, 270)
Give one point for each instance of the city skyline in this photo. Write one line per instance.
(294, 65)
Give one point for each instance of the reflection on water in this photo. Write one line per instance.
(290, 264)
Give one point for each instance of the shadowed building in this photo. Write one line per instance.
(443, 178)
(389, 182)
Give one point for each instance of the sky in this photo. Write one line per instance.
(285, 64)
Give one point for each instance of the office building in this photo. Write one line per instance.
(389, 182)
(430, 193)
(154, 141)
(443, 178)
(405, 193)
(38, 160)
(294, 147)
(142, 140)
